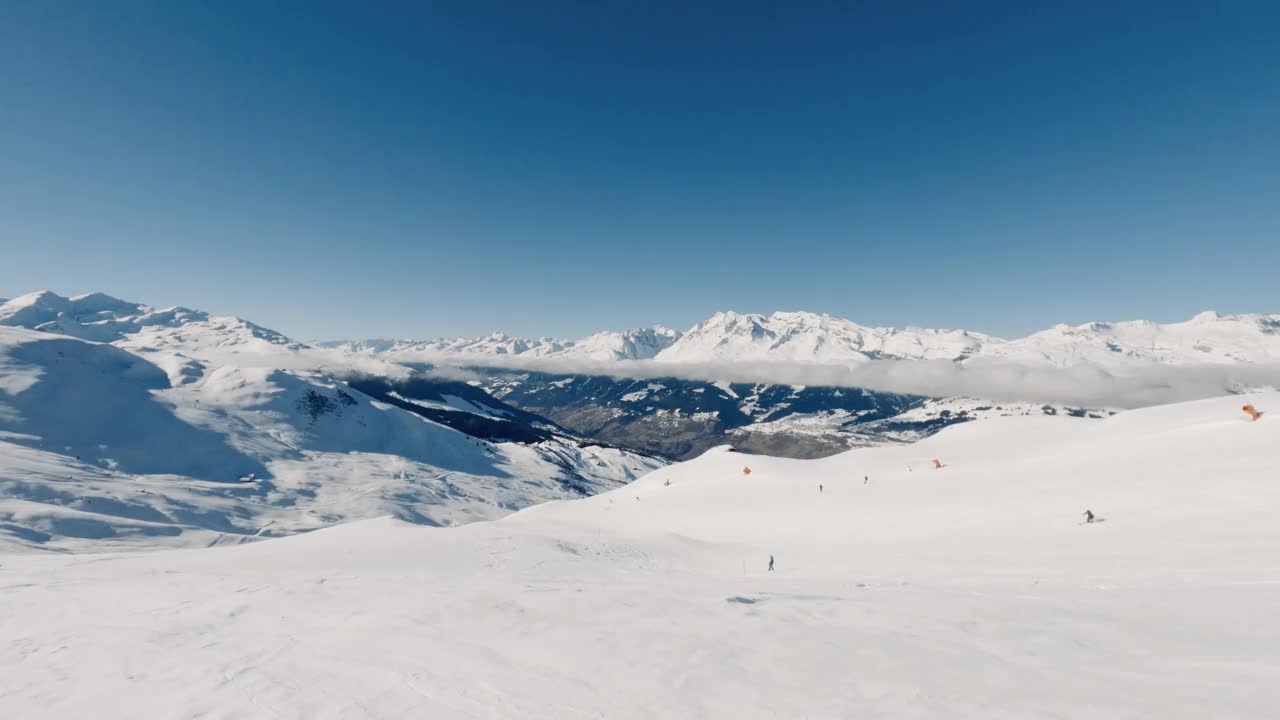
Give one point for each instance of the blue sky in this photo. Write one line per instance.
(555, 168)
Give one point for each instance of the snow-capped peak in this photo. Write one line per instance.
(813, 337)
(1206, 338)
(103, 318)
(636, 344)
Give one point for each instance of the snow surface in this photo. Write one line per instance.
(972, 591)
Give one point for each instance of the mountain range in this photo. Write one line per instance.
(804, 337)
(123, 423)
(590, 386)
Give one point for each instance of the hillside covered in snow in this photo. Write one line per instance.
(973, 590)
(125, 425)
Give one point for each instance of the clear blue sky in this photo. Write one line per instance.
(554, 168)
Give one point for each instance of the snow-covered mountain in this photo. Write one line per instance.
(812, 338)
(497, 343)
(792, 337)
(102, 318)
(803, 337)
(122, 424)
(635, 344)
(1207, 338)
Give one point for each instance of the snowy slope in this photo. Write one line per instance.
(99, 445)
(967, 592)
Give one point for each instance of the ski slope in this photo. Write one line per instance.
(972, 591)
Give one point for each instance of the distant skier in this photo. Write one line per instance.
(1088, 516)
(866, 479)
(819, 488)
(770, 563)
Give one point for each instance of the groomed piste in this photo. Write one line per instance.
(900, 590)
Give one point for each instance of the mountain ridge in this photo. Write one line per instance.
(804, 337)
(672, 394)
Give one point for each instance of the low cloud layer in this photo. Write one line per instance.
(1079, 385)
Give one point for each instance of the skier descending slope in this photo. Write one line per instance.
(1088, 516)
(770, 563)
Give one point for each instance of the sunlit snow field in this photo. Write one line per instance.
(900, 591)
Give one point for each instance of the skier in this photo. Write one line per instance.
(865, 479)
(770, 563)
(819, 488)
(1088, 516)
